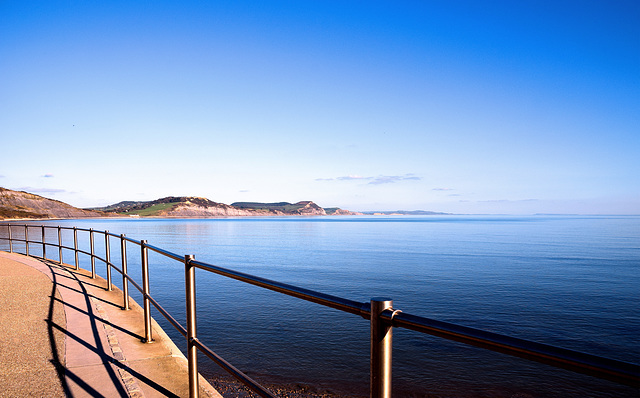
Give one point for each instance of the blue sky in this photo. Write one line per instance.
(463, 107)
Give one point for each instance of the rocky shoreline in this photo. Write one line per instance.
(229, 387)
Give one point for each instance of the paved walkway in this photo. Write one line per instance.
(63, 334)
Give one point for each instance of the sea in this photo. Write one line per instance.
(567, 281)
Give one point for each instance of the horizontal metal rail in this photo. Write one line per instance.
(165, 253)
(246, 380)
(613, 370)
(327, 300)
(383, 320)
(168, 316)
(134, 283)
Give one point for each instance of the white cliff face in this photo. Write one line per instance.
(310, 209)
(222, 210)
(341, 212)
(191, 210)
(206, 208)
(212, 209)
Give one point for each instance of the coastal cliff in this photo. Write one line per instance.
(20, 205)
(193, 207)
(171, 206)
(304, 208)
(24, 205)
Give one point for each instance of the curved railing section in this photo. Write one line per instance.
(379, 311)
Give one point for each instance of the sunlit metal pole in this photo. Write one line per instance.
(107, 250)
(148, 337)
(75, 244)
(60, 244)
(125, 282)
(26, 239)
(10, 241)
(93, 254)
(44, 245)
(192, 350)
(381, 336)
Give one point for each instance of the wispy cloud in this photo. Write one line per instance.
(48, 175)
(393, 179)
(345, 178)
(506, 200)
(352, 177)
(381, 179)
(41, 190)
(443, 189)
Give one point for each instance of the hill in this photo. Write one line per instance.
(304, 208)
(20, 205)
(300, 208)
(24, 205)
(172, 206)
(191, 206)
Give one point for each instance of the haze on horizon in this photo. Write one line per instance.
(461, 107)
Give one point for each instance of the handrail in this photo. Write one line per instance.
(327, 300)
(379, 311)
(613, 370)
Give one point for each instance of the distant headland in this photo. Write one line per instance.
(191, 206)
(24, 205)
(404, 213)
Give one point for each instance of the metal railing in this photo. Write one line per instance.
(379, 311)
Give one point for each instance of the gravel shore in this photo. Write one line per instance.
(229, 387)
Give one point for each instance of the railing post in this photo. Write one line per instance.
(44, 245)
(125, 282)
(60, 244)
(192, 350)
(10, 240)
(107, 256)
(93, 255)
(75, 245)
(148, 337)
(381, 338)
(26, 239)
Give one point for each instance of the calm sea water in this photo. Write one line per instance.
(567, 281)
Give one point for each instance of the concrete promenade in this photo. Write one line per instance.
(63, 334)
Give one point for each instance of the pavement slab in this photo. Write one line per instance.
(68, 335)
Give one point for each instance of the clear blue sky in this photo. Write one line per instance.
(464, 107)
